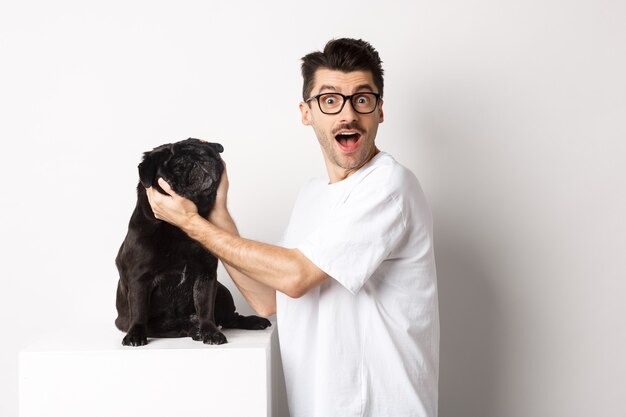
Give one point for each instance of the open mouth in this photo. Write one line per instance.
(348, 140)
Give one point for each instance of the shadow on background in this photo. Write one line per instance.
(469, 327)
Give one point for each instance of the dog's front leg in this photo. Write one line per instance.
(204, 293)
(138, 306)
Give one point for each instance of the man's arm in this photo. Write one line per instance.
(260, 297)
(264, 267)
(285, 270)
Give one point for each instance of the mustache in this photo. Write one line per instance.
(348, 126)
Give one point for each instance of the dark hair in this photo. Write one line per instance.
(344, 55)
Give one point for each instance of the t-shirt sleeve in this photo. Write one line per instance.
(357, 237)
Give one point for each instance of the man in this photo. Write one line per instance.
(353, 283)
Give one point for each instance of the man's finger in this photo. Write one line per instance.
(166, 187)
(149, 194)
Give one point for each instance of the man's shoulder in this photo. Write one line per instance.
(386, 173)
(389, 180)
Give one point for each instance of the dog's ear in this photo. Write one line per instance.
(217, 147)
(151, 162)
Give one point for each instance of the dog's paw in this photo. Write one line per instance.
(209, 336)
(253, 323)
(215, 338)
(262, 323)
(136, 336)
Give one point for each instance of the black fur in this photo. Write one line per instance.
(168, 282)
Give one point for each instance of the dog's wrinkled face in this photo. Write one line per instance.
(193, 168)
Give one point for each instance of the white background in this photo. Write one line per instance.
(512, 114)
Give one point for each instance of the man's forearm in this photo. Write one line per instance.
(261, 297)
(282, 269)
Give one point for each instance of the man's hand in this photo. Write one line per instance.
(171, 208)
(220, 214)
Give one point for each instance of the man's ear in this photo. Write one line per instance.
(381, 114)
(305, 110)
(152, 160)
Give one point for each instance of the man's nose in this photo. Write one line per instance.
(347, 114)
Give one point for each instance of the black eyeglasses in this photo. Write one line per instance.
(332, 103)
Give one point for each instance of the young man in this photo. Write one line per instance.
(354, 281)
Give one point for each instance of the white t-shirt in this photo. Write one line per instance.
(365, 343)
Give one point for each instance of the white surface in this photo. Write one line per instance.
(91, 374)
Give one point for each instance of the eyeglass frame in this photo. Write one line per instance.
(346, 99)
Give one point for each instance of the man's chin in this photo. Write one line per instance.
(351, 161)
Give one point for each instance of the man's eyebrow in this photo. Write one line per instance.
(364, 87)
(326, 87)
(358, 88)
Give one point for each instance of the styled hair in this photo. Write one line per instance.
(344, 55)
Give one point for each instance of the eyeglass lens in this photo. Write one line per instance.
(361, 102)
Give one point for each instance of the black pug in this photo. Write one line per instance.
(168, 282)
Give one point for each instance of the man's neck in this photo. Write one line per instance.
(337, 174)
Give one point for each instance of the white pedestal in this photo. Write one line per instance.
(89, 373)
